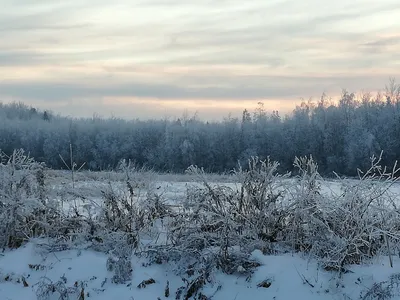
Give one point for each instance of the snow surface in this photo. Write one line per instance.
(291, 277)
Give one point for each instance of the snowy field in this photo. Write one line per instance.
(289, 276)
(83, 274)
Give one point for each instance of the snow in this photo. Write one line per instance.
(291, 277)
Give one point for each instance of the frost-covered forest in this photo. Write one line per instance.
(341, 136)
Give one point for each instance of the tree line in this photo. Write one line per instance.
(341, 136)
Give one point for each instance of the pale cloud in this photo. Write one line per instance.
(210, 56)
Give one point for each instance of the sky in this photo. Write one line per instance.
(161, 58)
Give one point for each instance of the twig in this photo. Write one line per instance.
(304, 278)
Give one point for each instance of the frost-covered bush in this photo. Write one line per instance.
(119, 262)
(304, 211)
(346, 227)
(135, 209)
(260, 206)
(364, 218)
(28, 210)
(219, 226)
(128, 217)
(25, 211)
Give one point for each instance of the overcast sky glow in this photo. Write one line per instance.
(156, 58)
